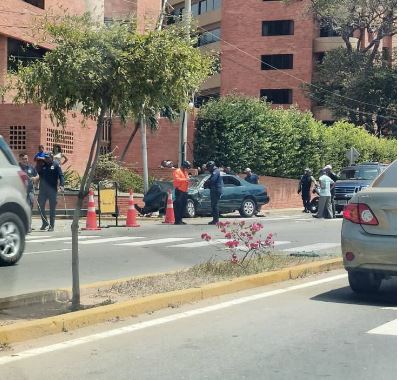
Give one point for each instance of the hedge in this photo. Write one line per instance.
(240, 131)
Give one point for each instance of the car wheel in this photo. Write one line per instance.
(363, 282)
(12, 238)
(314, 205)
(248, 208)
(190, 208)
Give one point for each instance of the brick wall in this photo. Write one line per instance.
(242, 26)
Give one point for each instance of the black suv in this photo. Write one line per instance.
(354, 178)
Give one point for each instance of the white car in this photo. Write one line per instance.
(15, 212)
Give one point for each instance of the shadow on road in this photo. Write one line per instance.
(385, 297)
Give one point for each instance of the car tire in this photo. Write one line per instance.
(12, 238)
(364, 282)
(248, 208)
(314, 205)
(190, 209)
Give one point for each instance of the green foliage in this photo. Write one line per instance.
(72, 178)
(239, 131)
(358, 89)
(110, 169)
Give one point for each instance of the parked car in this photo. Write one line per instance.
(237, 194)
(353, 179)
(15, 213)
(369, 233)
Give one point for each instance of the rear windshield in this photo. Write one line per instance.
(7, 152)
(388, 178)
(359, 173)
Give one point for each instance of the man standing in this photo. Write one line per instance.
(215, 184)
(180, 183)
(326, 183)
(334, 177)
(251, 177)
(304, 186)
(51, 177)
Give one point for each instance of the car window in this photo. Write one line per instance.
(229, 181)
(388, 178)
(195, 181)
(6, 156)
(359, 173)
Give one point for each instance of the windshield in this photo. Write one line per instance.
(195, 181)
(359, 173)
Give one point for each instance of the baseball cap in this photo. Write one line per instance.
(247, 170)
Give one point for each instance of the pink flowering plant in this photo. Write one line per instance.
(244, 240)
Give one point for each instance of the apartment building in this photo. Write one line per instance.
(268, 48)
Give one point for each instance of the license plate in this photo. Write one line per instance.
(341, 202)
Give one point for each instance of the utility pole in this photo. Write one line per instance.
(143, 131)
(184, 113)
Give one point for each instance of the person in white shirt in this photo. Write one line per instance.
(325, 207)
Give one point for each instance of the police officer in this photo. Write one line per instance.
(305, 183)
(180, 183)
(215, 184)
(51, 177)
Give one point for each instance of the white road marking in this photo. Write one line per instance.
(276, 243)
(61, 239)
(152, 242)
(312, 247)
(51, 250)
(106, 240)
(389, 328)
(389, 308)
(159, 321)
(199, 244)
(33, 237)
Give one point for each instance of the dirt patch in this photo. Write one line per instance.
(206, 273)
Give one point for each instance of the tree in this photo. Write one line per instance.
(357, 82)
(110, 70)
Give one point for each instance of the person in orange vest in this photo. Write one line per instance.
(180, 183)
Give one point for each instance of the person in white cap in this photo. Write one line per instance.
(334, 177)
(251, 177)
(325, 209)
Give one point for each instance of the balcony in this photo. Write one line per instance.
(214, 46)
(322, 44)
(211, 82)
(209, 18)
(322, 113)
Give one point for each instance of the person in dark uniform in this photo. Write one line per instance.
(215, 184)
(334, 177)
(305, 183)
(51, 177)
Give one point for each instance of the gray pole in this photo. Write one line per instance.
(184, 113)
(143, 132)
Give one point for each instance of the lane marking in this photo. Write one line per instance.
(159, 321)
(199, 244)
(152, 242)
(61, 239)
(389, 308)
(389, 328)
(51, 250)
(312, 247)
(32, 237)
(106, 240)
(276, 243)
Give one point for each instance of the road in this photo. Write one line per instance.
(306, 329)
(154, 247)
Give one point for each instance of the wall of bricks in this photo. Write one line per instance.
(242, 27)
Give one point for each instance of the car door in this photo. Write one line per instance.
(203, 198)
(232, 193)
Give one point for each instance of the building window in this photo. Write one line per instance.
(277, 61)
(18, 137)
(277, 96)
(20, 52)
(278, 28)
(60, 137)
(209, 37)
(36, 3)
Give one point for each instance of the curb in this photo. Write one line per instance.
(34, 329)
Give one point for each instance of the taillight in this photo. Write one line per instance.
(24, 178)
(359, 213)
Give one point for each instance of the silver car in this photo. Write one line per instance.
(15, 212)
(369, 233)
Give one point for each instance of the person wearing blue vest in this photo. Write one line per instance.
(215, 184)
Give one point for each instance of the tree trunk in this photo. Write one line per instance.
(123, 155)
(83, 190)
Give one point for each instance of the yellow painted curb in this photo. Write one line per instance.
(34, 329)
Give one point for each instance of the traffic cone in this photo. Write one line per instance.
(170, 214)
(131, 213)
(91, 219)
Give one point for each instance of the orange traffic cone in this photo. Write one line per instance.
(131, 213)
(170, 214)
(91, 219)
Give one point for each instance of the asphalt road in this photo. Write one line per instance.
(154, 247)
(311, 328)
